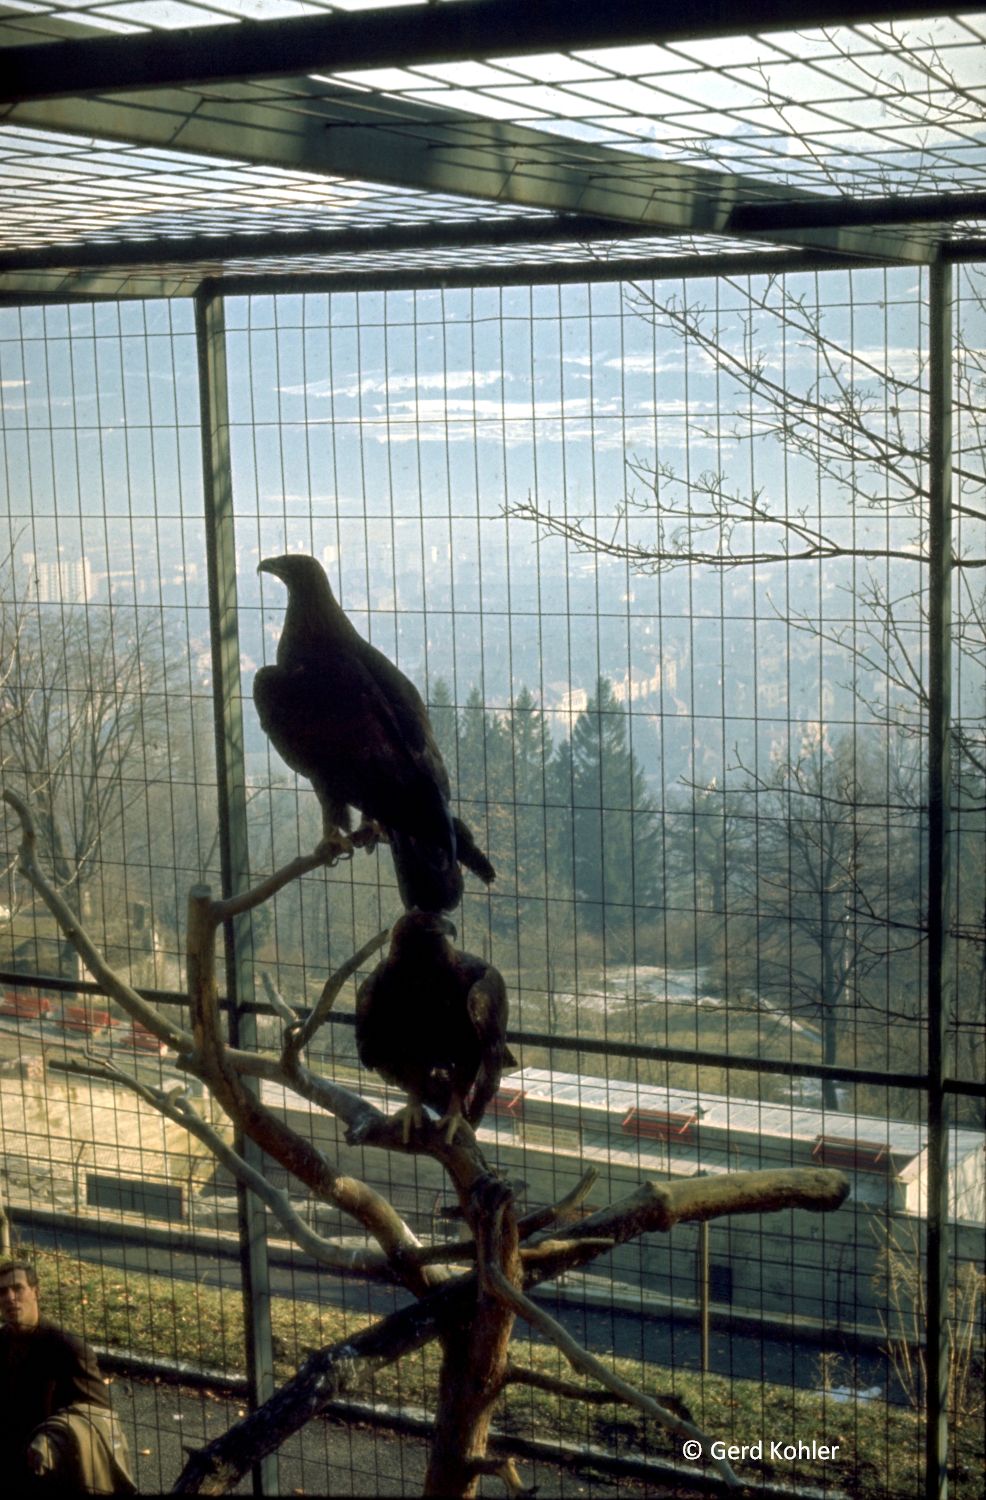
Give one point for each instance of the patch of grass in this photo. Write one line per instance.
(880, 1447)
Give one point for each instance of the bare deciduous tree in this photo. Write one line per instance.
(852, 427)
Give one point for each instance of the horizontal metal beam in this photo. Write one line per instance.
(402, 36)
(643, 268)
(590, 1046)
(476, 233)
(127, 255)
(306, 126)
(928, 208)
(60, 283)
(72, 286)
(273, 244)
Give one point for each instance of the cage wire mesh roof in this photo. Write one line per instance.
(147, 146)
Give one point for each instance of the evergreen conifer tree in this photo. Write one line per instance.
(615, 850)
(445, 723)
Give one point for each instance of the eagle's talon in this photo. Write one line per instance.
(368, 835)
(411, 1114)
(333, 847)
(451, 1121)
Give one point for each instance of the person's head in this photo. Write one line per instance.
(18, 1295)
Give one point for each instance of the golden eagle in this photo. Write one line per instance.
(433, 1021)
(345, 717)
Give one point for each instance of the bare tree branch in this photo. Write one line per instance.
(297, 1040)
(276, 1137)
(176, 1106)
(587, 1364)
(472, 1314)
(124, 994)
(566, 1207)
(331, 1372)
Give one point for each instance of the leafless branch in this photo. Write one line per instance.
(587, 1364)
(299, 1156)
(557, 1213)
(123, 993)
(298, 1039)
(176, 1106)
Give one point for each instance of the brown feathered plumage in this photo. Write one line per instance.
(344, 716)
(433, 1021)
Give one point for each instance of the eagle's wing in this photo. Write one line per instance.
(330, 721)
(427, 876)
(283, 701)
(487, 1006)
(366, 1032)
(374, 1034)
(403, 783)
(409, 712)
(364, 1013)
(395, 1038)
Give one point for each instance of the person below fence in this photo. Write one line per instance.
(58, 1434)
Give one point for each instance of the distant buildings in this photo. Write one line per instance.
(818, 1271)
(689, 1134)
(58, 580)
(626, 689)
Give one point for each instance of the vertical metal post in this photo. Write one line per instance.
(939, 892)
(703, 1295)
(221, 559)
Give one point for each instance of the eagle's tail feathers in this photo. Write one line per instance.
(428, 876)
(470, 853)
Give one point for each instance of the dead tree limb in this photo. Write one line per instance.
(558, 1213)
(595, 1369)
(300, 1040)
(204, 1054)
(176, 1106)
(332, 1372)
(236, 906)
(471, 1313)
(292, 1151)
(124, 994)
(475, 1347)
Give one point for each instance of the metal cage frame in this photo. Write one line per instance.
(336, 184)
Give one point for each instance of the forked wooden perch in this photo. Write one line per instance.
(470, 1312)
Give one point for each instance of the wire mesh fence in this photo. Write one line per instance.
(657, 557)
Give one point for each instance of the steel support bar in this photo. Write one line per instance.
(493, 232)
(704, 1318)
(68, 284)
(234, 854)
(402, 36)
(465, 234)
(313, 127)
(964, 1088)
(939, 889)
(927, 208)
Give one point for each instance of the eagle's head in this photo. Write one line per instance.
(312, 606)
(296, 570)
(419, 930)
